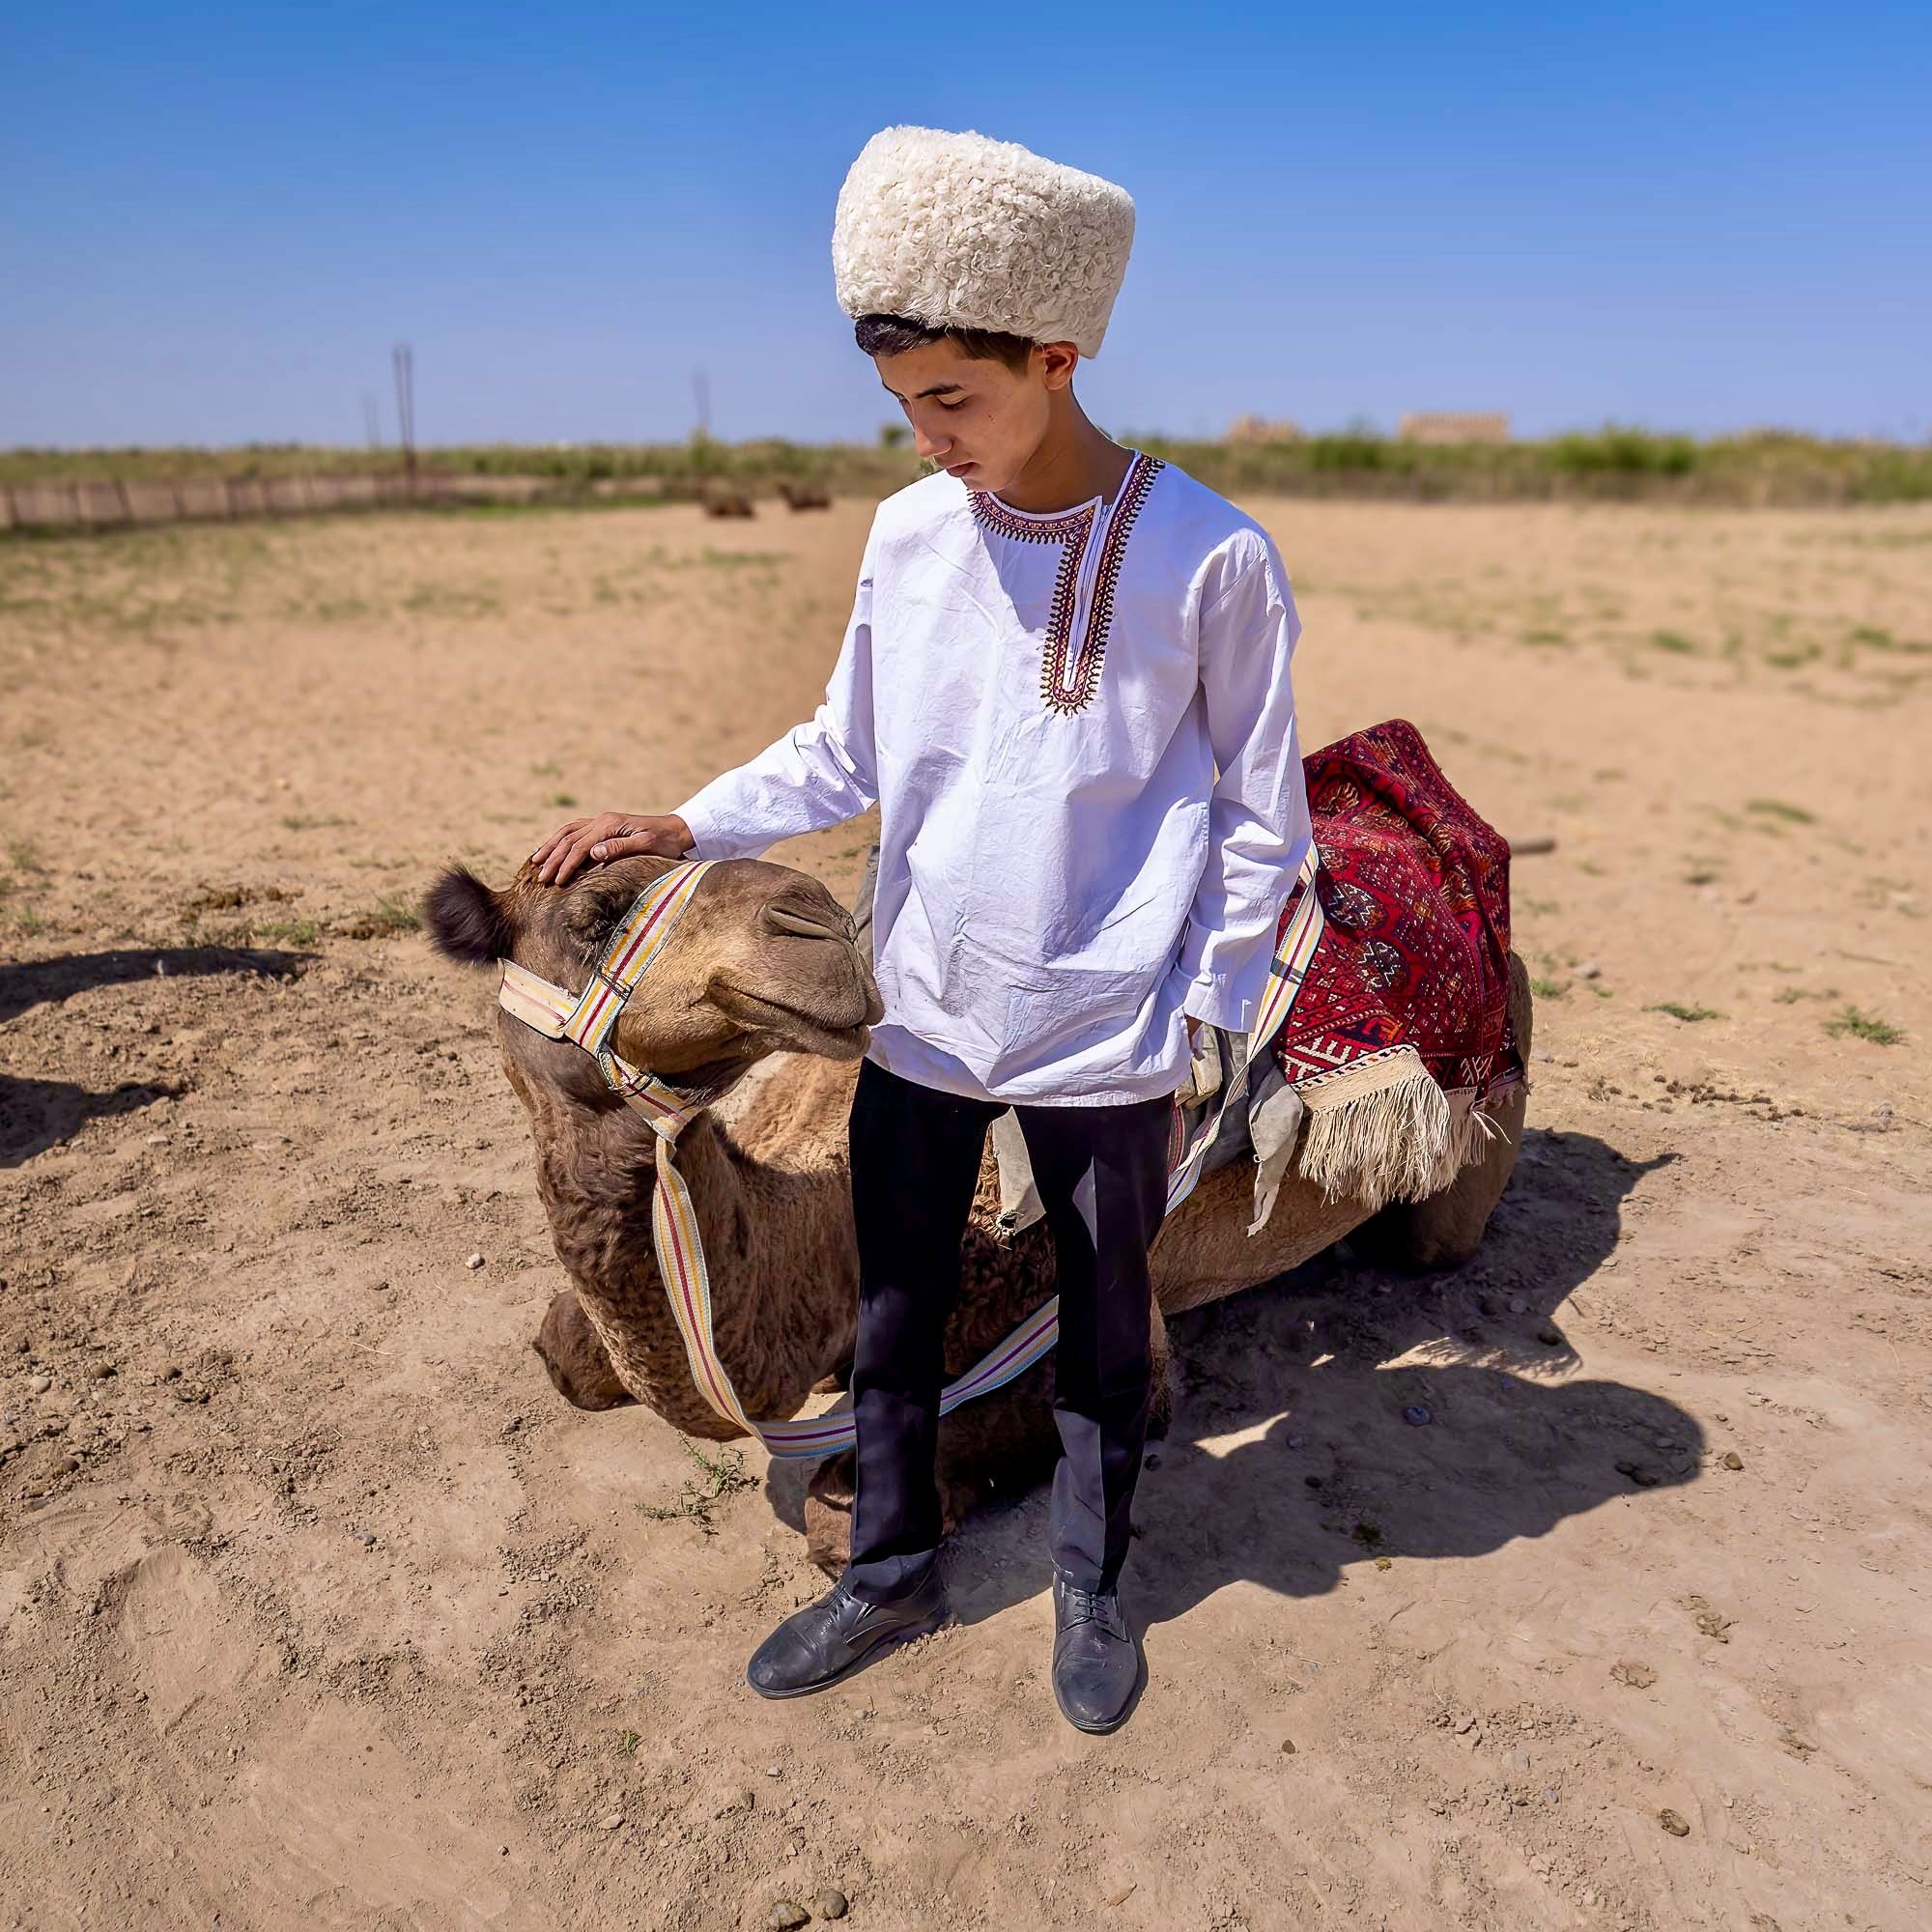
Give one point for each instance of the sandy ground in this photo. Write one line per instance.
(318, 1608)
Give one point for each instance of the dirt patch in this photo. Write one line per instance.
(318, 1607)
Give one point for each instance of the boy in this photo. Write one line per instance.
(1066, 685)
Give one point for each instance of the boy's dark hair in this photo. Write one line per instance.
(895, 334)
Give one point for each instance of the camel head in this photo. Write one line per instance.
(762, 959)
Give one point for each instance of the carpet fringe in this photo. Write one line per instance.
(1383, 1132)
(1386, 1131)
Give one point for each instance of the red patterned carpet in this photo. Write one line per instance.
(1410, 974)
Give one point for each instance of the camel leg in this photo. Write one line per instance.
(837, 1379)
(1000, 1445)
(1160, 1389)
(1446, 1230)
(570, 1348)
(828, 1514)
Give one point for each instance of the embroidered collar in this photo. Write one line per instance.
(995, 513)
(1070, 678)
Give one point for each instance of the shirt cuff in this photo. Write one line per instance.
(709, 839)
(1214, 1002)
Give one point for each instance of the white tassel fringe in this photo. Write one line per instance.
(1395, 1140)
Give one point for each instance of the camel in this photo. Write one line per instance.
(765, 989)
(806, 495)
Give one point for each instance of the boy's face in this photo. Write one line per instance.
(980, 421)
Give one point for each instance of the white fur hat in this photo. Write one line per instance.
(958, 231)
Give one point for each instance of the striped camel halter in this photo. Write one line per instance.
(589, 1019)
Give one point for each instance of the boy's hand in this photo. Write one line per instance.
(1193, 1027)
(610, 835)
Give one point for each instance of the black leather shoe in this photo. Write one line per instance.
(830, 1639)
(1097, 1664)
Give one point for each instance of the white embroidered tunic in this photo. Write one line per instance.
(1079, 730)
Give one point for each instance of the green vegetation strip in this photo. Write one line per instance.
(1764, 467)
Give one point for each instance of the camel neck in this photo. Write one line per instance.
(597, 1174)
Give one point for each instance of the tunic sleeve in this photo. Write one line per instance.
(1258, 825)
(821, 773)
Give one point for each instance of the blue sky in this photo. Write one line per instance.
(215, 220)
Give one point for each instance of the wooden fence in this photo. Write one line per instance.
(117, 505)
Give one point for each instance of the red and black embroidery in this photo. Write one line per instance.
(1071, 527)
(1069, 680)
(1067, 691)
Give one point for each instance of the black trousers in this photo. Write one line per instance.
(1102, 1171)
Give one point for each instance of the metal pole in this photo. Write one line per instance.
(405, 410)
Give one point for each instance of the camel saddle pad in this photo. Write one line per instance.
(1415, 952)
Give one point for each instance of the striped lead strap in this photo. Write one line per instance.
(1293, 949)
(590, 1017)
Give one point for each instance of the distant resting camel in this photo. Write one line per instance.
(763, 980)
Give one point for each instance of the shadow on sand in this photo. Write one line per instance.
(1344, 1413)
(36, 1114)
(34, 982)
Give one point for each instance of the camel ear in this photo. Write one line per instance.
(466, 920)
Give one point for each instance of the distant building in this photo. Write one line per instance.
(1455, 426)
(1263, 428)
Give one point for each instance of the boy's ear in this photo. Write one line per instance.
(1058, 363)
(467, 921)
